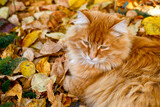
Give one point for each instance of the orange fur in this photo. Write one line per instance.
(125, 75)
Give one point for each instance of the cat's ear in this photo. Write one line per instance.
(81, 19)
(120, 28)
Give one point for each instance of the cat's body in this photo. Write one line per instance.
(109, 67)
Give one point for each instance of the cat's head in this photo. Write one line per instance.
(98, 40)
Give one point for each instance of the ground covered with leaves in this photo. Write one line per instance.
(32, 45)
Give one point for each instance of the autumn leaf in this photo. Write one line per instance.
(54, 100)
(9, 51)
(152, 25)
(40, 81)
(43, 66)
(55, 35)
(76, 3)
(31, 38)
(4, 12)
(101, 1)
(50, 47)
(5, 26)
(28, 53)
(33, 102)
(16, 90)
(27, 68)
(3, 2)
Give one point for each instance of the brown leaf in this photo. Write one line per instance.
(50, 47)
(28, 53)
(35, 25)
(50, 93)
(12, 78)
(14, 20)
(51, 7)
(62, 3)
(19, 6)
(59, 69)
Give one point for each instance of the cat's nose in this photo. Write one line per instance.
(92, 57)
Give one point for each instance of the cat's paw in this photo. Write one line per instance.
(66, 83)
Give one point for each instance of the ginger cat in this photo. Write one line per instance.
(108, 66)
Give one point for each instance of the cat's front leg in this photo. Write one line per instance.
(74, 85)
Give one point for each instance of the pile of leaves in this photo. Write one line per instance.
(32, 45)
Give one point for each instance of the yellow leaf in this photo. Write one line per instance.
(4, 12)
(3, 2)
(33, 102)
(31, 38)
(40, 81)
(9, 51)
(43, 66)
(101, 1)
(152, 25)
(16, 90)
(27, 68)
(76, 3)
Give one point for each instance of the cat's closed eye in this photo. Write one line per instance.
(85, 43)
(103, 47)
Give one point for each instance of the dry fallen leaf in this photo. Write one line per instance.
(9, 51)
(14, 20)
(43, 66)
(62, 3)
(18, 5)
(4, 12)
(76, 3)
(50, 47)
(3, 2)
(135, 27)
(40, 81)
(56, 35)
(31, 38)
(33, 102)
(37, 45)
(29, 54)
(12, 78)
(50, 93)
(38, 14)
(16, 90)
(27, 20)
(152, 25)
(27, 68)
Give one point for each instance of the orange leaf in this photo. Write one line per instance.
(43, 66)
(16, 90)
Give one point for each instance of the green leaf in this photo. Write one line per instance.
(29, 94)
(6, 40)
(144, 14)
(8, 104)
(125, 4)
(4, 66)
(7, 65)
(5, 86)
(14, 63)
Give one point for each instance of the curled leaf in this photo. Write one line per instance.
(43, 66)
